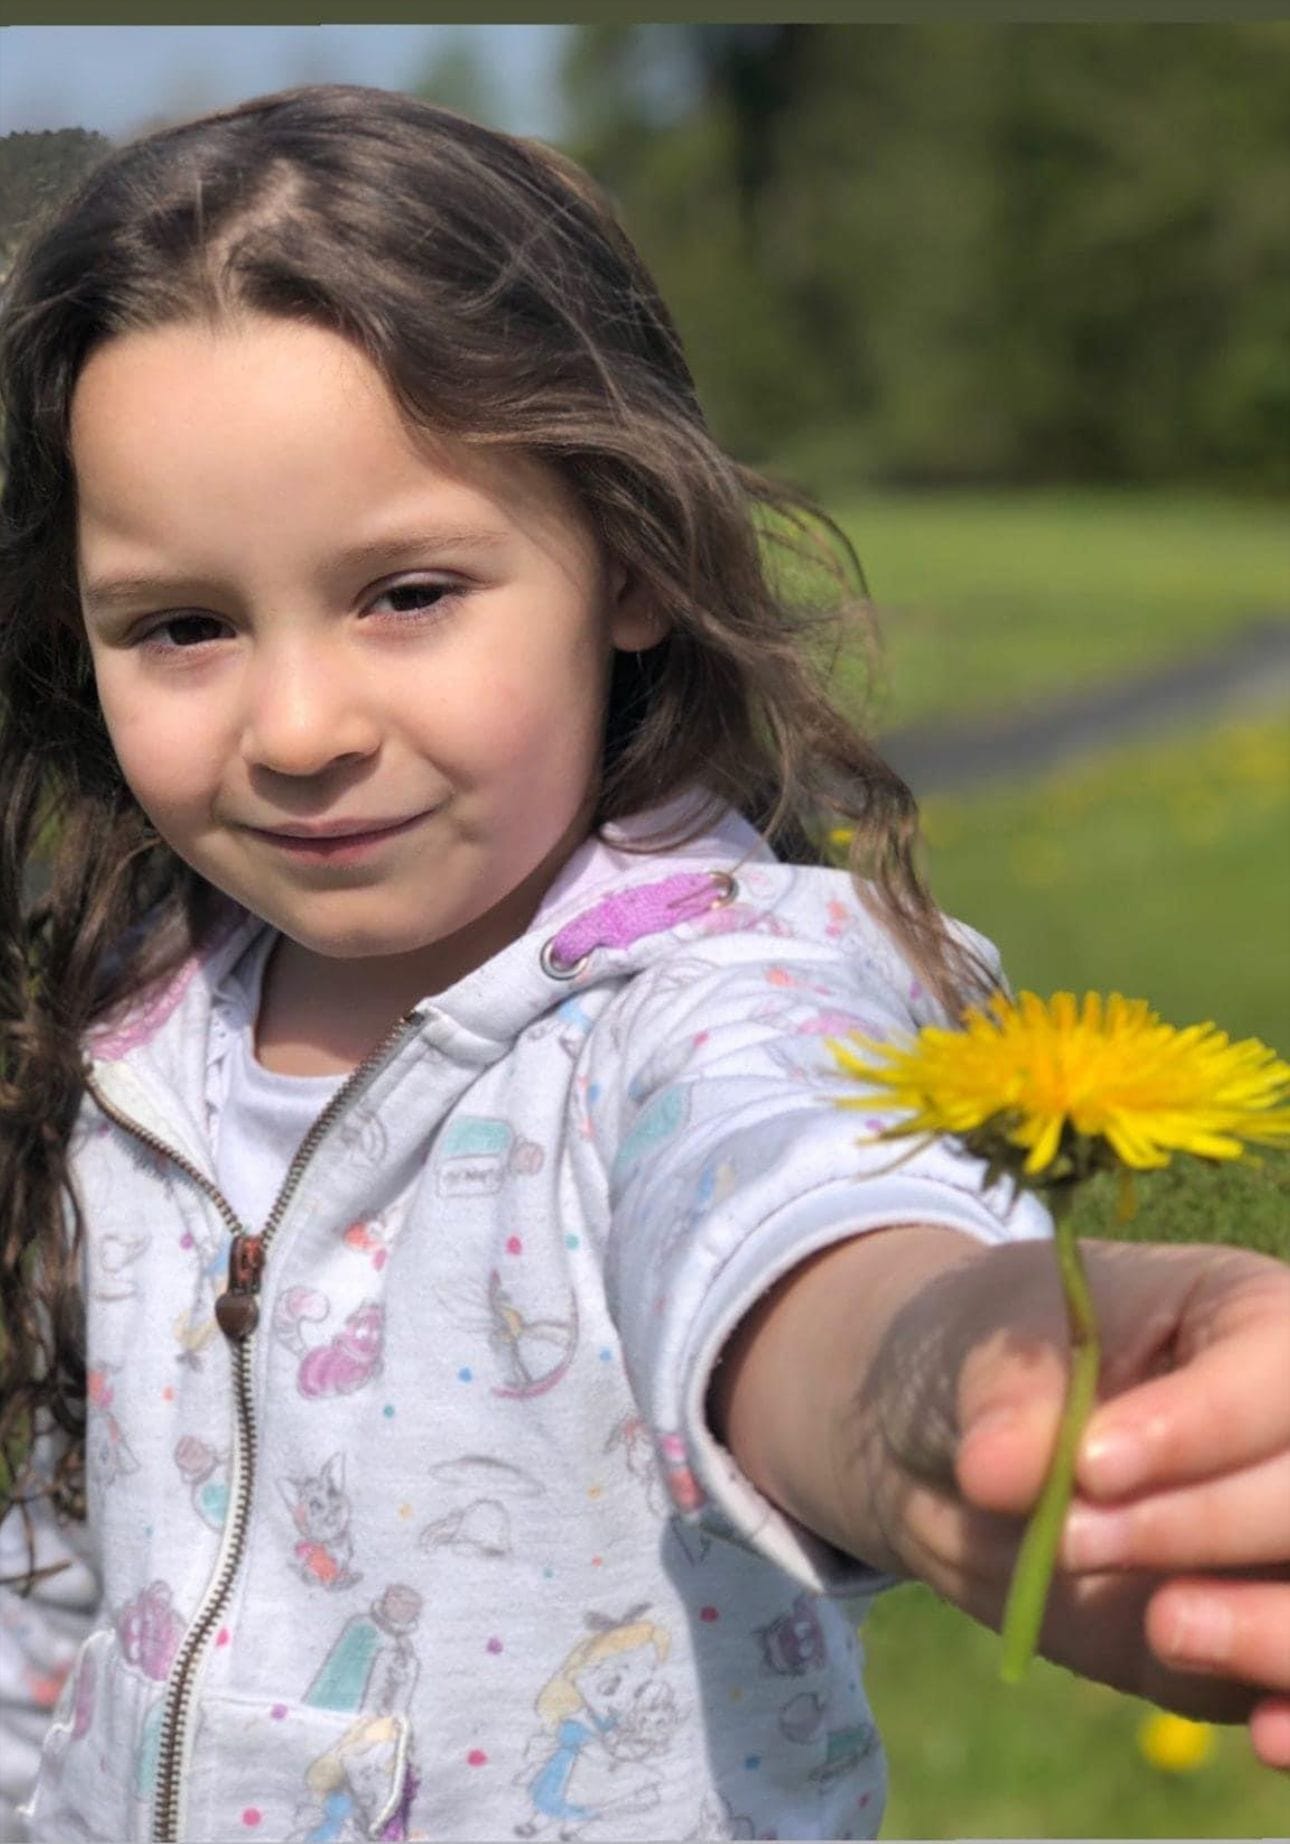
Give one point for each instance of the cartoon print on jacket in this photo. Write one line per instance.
(646, 1455)
(606, 1714)
(337, 1366)
(476, 1155)
(718, 1178)
(196, 1326)
(110, 1259)
(633, 1436)
(481, 1528)
(206, 1474)
(794, 1643)
(320, 1511)
(800, 1718)
(530, 1354)
(362, 1133)
(109, 1455)
(481, 1525)
(150, 1629)
(372, 1665)
(660, 1119)
(362, 1788)
(374, 1236)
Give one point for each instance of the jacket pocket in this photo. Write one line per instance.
(272, 1770)
(98, 1763)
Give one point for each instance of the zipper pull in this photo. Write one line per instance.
(237, 1311)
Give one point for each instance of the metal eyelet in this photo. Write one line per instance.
(556, 969)
(729, 888)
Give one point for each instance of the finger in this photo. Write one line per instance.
(1232, 1629)
(1226, 1405)
(1009, 1433)
(1240, 1520)
(1270, 1732)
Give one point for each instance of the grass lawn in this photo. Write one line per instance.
(1056, 1757)
(985, 598)
(1162, 870)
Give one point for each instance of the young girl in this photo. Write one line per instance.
(478, 1377)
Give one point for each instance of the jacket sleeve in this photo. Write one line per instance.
(728, 1162)
(40, 1634)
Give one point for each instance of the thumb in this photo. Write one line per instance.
(1011, 1391)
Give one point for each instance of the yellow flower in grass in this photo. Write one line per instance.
(1173, 1743)
(1078, 1088)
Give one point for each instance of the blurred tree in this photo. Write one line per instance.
(955, 252)
(456, 78)
(36, 169)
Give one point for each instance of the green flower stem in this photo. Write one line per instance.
(1033, 1571)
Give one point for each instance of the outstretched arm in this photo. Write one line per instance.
(900, 1392)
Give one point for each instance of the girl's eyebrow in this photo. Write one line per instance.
(108, 592)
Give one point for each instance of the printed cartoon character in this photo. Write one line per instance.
(604, 1714)
(476, 1156)
(717, 1180)
(320, 1511)
(205, 1473)
(482, 1528)
(481, 1524)
(736, 918)
(531, 1354)
(340, 1365)
(362, 1788)
(633, 1436)
(682, 1487)
(196, 1326)
(372, 1666)
(794, 1643)
(150, 1629)
(373, 1236)
(109, 1257)
(107, 1450)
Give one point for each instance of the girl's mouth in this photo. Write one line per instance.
(319, 848)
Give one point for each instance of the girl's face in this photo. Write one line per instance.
(303, 621)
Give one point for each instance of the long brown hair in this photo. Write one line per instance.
(493, 289)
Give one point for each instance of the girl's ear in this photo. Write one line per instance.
(636, 623)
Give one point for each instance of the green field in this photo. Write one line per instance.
(984, 597)
(1162, 871)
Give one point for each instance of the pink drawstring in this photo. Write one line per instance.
(618, 920)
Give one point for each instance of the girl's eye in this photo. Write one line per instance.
(181, 632)
(411, 599)
(185, 632)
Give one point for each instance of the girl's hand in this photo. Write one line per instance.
(1174, 1580)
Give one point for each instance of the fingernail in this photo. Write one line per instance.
(1202, 1631)
(1095, 1539)
(1113, 1462)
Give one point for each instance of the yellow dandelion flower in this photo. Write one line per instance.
(1173, 1743)
(1100, 1083)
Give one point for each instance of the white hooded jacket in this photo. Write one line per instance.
(433, 1541)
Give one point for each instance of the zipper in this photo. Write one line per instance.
(237, 1312)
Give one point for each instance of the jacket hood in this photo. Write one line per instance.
(610, 911)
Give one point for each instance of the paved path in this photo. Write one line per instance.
(1248, 670)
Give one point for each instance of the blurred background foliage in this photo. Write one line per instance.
(958, 253)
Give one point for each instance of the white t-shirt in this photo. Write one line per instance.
(257, 1118)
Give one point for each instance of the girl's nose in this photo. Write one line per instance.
(307, 712)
